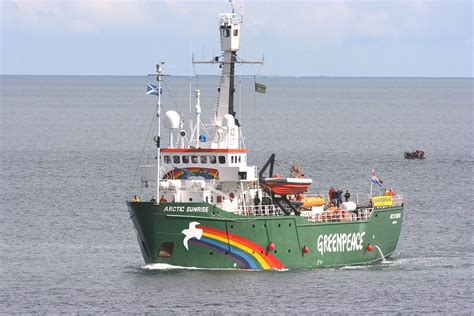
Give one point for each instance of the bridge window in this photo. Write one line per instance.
(212, 159)
(194, 159)
(185, 159)
(240, 158)
(167, 159)
(222, 159)
(203, 159)
(176, 159)
(236, 32)
(231, 159)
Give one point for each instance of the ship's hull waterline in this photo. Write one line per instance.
(201, 235)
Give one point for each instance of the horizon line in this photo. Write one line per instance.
(218, 75)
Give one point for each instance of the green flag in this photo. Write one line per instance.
(261, 88)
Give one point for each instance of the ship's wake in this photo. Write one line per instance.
(165, 266)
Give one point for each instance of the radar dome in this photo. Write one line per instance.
(171, 119)
(228, 121)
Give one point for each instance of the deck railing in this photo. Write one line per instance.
(361, 214)
(259, 210)
(361, 200)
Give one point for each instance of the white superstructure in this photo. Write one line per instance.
(215, 170)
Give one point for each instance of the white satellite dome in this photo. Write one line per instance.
(171, 119)
(228, 120)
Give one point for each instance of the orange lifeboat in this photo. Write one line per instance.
(285, 186)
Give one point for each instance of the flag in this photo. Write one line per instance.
(375, 179)
(260, 88)
(152, 89)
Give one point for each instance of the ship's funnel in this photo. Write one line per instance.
(171, 119)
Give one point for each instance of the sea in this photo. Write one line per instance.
(69, 151)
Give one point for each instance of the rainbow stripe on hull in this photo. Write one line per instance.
(245, 253)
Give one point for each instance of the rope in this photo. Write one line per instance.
(171, 95)
(141, 155)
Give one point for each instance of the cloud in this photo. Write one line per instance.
(84, 16)
(322, 23)
(318, 22)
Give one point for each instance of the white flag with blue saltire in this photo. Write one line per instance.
(152, 89)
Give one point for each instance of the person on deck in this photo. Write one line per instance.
(330, 193)
(339, 198)
(347, 196)
(163, 199)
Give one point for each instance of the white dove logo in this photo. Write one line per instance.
(191, 232)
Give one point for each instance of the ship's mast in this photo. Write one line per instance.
(159, 72)
(229, 28)
(225, 121)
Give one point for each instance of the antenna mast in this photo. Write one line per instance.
(159, 71)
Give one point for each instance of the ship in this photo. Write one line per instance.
(200, 204)
(415, 154)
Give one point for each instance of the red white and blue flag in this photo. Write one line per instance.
(375, 179)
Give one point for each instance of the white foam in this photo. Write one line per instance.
(165, 266)
(355, 267)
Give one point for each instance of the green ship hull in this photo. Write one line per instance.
(201, 235)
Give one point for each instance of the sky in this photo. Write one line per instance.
(297, 38)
